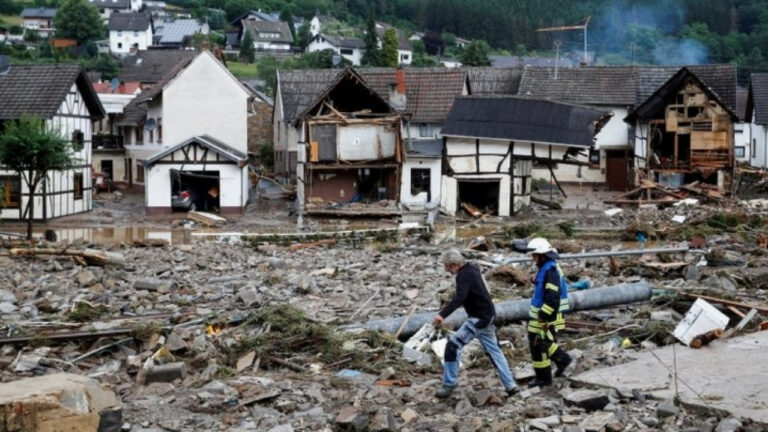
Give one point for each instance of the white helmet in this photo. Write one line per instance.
(540, 245)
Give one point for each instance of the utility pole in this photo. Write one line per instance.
(582, 27)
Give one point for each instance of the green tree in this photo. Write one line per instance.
(108, 66)
(9, 7)
(78, 19)
(247, 51)
(476, 54)
(287, 16)
(389, 56)
(32, 150)
(304, 35)
(372, 55)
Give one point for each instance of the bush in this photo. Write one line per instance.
(267, 155)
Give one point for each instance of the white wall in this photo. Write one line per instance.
(616, 132)
(759, 159)
(315, 26)
(120, 42)
(231, 184)
(365, 142)
(404, 57)
(434, 165)
(205, 99)
(742, 138)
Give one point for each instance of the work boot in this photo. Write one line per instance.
(562, 365)
(513, 391)
(444, 391)
(543, 378)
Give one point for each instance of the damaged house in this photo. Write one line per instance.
(492, 142)
(684, 130)
(757, 116)
(349, 151)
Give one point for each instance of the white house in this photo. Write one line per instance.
(61, 95)
(492, 142)
(404, 48)
(108, 7)
(39, 20)
(129, 32)
(268, 35)
(198, 105)
(757, 116)
(316, 23)
(351, 49)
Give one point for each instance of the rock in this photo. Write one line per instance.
(250, 297)
(166, 373)
(382, 421)
(649, 421)
(550, 421)
(536, 424)
(276, 263)
(589, 400)
(409, 415)
(7, 297)
(7, 308)
(157, 285)
(729, 424)
(571, 428)
(86, 278)
(175, 343)
(463, 408)
(60, 402)
(597, 421)
(667, 408)
(282, 428)
(614, 426)
(387, 373)
(347, 415)
(26, 363)
(411, 294)
(485, 397)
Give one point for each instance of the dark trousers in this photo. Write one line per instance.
(544, 350)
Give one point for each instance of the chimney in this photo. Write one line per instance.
(397, 90)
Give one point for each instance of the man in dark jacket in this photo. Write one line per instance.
(471, 293)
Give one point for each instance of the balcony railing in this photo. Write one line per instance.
(107, 142)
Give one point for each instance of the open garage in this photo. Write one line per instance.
(201, 173)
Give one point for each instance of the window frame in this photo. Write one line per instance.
(4, 198)
(421, 185)
(77, 186)
(592, 162)
(736, 151)
(140, 171)
(78, 140)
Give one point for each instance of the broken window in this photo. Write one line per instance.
(10, 192)
(78, 186)
(420, 182)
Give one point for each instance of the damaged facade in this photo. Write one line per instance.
(350, 149)
(492, 142)
(757, 117)
(685, 131)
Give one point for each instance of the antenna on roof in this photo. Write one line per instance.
(5, 64)
(114, 84)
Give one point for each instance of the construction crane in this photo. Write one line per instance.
(572, 27)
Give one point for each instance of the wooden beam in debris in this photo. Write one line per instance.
(725, 302)
(300, 237)
(207, 219)
(91, 256)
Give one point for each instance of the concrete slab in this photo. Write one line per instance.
(727, 375)
(57, 403)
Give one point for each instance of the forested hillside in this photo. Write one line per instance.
(626, 31)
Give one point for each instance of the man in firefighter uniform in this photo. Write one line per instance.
(550, 300)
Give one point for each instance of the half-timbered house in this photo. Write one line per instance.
(492, 142)
(63, 97)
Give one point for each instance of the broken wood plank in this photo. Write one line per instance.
(100, 349)
(207, 219)
(91, 256)
(551, 204)
(471, 210)
(738, 313)
(728, 302)
(67, 336)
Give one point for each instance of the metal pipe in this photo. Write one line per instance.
(517, 310)
(600, 254)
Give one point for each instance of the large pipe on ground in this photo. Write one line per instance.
(600, 254)
(517, 310)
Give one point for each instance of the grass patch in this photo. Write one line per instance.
(84, 312)
(292, 335)
(567, 227)
(11, 20)
(146, 331)
(243, 70)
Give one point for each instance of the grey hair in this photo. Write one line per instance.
(452, 256)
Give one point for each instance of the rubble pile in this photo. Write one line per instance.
(228, 335)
